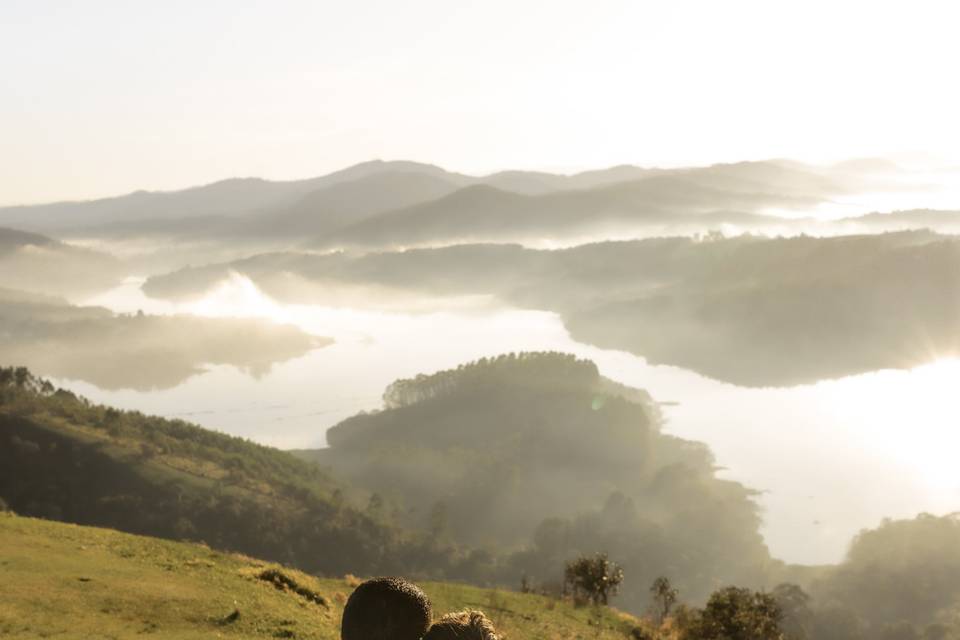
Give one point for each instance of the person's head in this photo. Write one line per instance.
(463, 625)
(385, 609)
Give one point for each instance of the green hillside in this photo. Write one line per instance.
(73, 581)
(63, 458)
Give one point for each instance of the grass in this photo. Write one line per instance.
(70, 581)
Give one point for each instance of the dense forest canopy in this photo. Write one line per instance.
(537, 453)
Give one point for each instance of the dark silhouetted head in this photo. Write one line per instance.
(464, 625)
(385, 609)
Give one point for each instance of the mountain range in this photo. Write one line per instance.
(381, 203)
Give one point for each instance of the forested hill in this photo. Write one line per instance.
(504, 467)
(538, 455)
(64, 458)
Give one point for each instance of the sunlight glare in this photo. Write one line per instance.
(915, 417)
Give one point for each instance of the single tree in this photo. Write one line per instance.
(595, 578)
(664, 597)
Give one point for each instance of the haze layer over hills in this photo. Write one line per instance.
(38, 263)
(748, 310)
(755, 274)
(378, 204)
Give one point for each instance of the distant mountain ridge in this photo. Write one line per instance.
(483, 213)
(230, 197)
(371, 192)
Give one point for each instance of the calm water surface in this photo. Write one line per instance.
(830, 458)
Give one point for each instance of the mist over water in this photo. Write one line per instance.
(830, 458)
(620, 320)
(921, 188)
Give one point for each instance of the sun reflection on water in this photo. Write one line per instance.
(914, 417)
(830, 457)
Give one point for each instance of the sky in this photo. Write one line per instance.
(102, 97)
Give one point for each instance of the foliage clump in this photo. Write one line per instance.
(594, 578)
(736, 613)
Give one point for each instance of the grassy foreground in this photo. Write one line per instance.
(72, 582)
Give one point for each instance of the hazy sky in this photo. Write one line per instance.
(106, 96)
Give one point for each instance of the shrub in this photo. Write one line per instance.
(594, 578)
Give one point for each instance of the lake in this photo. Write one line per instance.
(829, 458)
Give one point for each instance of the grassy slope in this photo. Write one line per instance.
(73, 581)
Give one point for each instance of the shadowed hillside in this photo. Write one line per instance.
(63, 458)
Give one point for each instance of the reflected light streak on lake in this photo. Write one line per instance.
(830, 458)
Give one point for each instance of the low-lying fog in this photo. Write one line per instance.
(831, 458)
